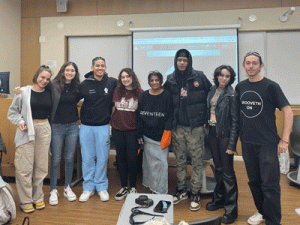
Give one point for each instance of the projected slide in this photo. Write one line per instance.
(209, 49)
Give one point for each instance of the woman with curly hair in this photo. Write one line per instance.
(124, 126)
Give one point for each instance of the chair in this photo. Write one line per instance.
(294, 176)
(215, 220)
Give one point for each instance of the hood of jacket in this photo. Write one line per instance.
(90, 76)
(189, 68)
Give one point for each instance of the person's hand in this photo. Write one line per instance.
(17, 90)
(22, 127)
(282, 146)
(229, 152)
(141, 141)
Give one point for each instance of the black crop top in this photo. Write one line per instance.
(40, 103)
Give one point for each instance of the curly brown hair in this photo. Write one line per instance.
(135, 82)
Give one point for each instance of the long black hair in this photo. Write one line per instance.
(60, 77)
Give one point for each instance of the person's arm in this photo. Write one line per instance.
(14, 113)
(139, 122)
(234, 112)
(287, 128)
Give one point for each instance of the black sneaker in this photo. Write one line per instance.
(195, 202)
(122, 193)
(180, 196)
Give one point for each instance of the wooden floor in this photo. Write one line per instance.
(96, 212)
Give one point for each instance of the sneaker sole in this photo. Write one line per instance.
(28, 211)
(179, 200)
(53, 203)
(70, 199)
(195, 208)
(255, 223)
(120, 198)
(214, 208)
(40, 207)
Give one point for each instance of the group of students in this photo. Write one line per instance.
(178, 111)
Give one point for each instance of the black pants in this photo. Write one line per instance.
(264, 176)
(126, 144)
(226, 191)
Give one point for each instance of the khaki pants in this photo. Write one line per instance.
(31, 161)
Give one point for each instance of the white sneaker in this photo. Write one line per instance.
(104, 196)
(86, 195)
(53, 199)
(257, 218)
(69, 194)
(133, 190)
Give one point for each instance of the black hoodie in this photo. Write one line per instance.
(189, 110)
(97, 106)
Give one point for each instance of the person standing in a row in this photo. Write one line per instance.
(259, 97)
(30, 112)
(155, 117)
(97, 90)
(189, 89)
(222, 135)
(124, 129)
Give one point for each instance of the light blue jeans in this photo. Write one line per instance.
(60, 132)
(95, 146)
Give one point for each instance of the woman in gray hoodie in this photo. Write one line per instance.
(30, 112)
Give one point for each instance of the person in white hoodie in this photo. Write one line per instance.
(30, 112)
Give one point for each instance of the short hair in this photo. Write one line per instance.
(218, 73)
(155, 73)
(60, 77)
(39, 70)
(255, 54)
(135, 82)
(96, 59)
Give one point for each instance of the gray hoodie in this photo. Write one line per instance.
(20, 112)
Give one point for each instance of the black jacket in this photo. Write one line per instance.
(227, 115)
(197, 86)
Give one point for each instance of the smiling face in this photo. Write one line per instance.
(182, 63)
(69, 74)
(155, 83)
(99, 69)
(126, 80)
(43, 79)
(224, 78)
(252, 66)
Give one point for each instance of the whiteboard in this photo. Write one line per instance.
(283, 61)
(116, 50)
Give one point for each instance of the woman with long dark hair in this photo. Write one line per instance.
(124, 126)
(64, 124)
(222, 102)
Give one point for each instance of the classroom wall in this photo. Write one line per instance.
(10, 39)
(99, 17)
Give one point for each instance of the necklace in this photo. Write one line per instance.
(67, 87)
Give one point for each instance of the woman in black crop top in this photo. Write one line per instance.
(30, 112)
(64, 124)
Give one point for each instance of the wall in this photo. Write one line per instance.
(99, 17)
(10, 39)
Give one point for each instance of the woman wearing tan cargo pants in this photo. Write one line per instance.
(30, 111)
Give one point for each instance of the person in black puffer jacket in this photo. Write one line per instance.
(189, 89)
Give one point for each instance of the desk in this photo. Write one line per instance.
(130, 203)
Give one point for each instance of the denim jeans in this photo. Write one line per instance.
(60, 132)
